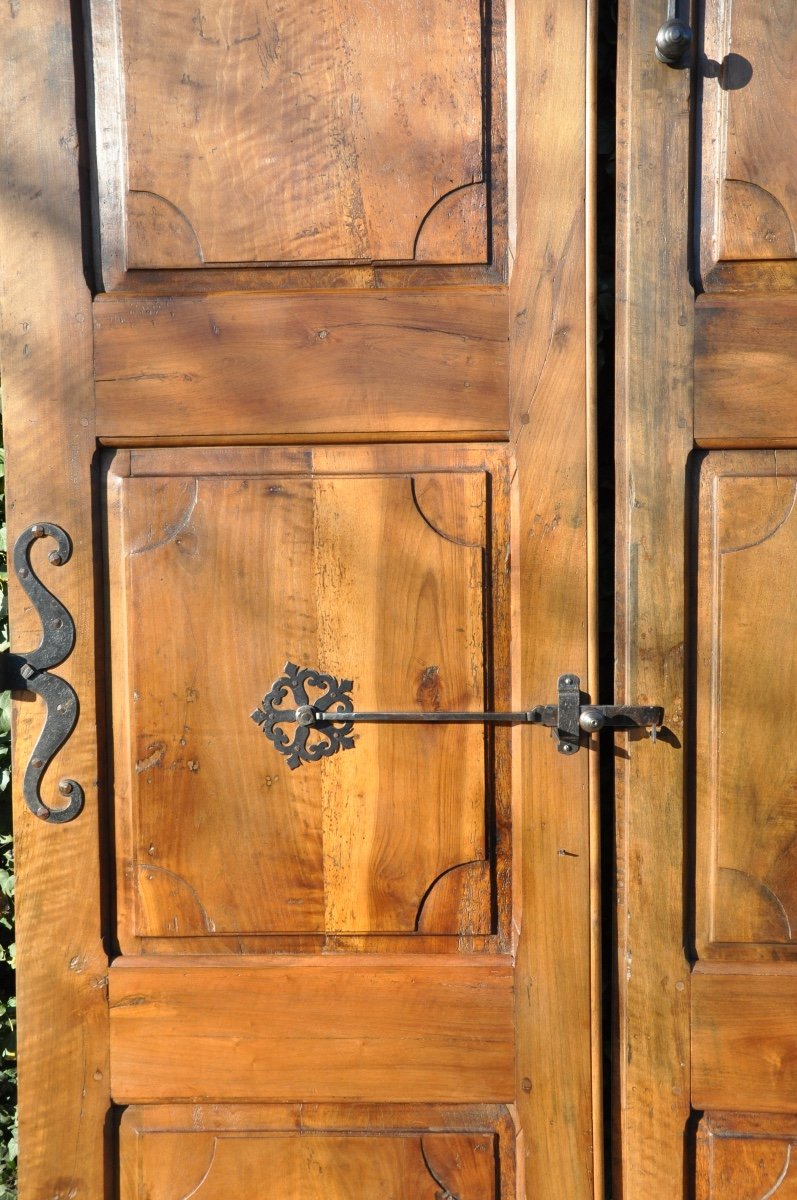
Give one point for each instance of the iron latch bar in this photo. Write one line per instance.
(324, 724)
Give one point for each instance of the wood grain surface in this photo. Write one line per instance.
(374, 114)
(425, 476)
(558, 1080)
(654, 439)
(48, 426)
(749, 122)
(328, 1166)
(337, 1029)
(451, 880)
(745, 370)
(464, 1150)
(744, 1043)
(377, 578)
(745, 1155)
(747, 894)
(744, 374)
(388, 124)
(278, 366)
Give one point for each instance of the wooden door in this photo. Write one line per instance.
(297, 350)
(708, 477)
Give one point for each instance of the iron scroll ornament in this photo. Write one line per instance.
(324, 725)
(30, 672)
(309, 718)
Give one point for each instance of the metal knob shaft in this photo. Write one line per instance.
(672, 42)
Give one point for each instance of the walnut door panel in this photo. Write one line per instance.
(392, 364)
(744, 986)
(749, 120)
(309, 1151)
(387, 577)
(340, 1028)
(743, 996)
(745, 365)
(747, 671)
(298, 135)
(747, 1158)
(282, 417)
(746, 370)
(744, 1043)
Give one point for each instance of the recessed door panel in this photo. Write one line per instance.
(383, 578)
(299, 135)
(309, 1151)
(749, 120)
(746, 1157)
(747, 768)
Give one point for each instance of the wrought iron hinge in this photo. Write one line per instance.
(324, 724)
(30, 673)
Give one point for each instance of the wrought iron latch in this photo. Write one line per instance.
(324, 724)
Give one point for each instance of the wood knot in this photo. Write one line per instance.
(428, 693)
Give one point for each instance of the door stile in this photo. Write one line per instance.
(654, 440)
(553, 392)
(47, 375)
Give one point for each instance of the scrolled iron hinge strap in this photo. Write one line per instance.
(30, 672)
(330, 716)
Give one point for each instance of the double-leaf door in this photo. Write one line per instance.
(707, 545)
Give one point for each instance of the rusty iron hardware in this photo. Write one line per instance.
(30, 672)
(324, 725)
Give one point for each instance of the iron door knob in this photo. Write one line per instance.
(672, 42)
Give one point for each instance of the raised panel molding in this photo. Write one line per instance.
(747, 1157)
(309, 1151)
(747, 665)
(300, 135)
(749, 167)
(389, 577)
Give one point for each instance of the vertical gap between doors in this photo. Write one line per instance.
(605, 237)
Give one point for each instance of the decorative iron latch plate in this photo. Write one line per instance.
(325, 723)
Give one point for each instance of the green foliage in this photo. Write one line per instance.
(8, 1070)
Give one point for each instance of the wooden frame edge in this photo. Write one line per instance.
(553, 387)
(655, 303)
(47, 360)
